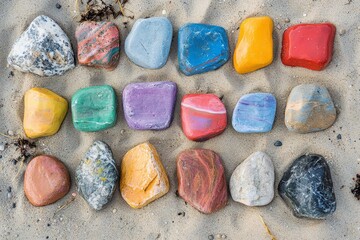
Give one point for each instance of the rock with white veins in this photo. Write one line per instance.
(96, 176)
(43, 49)
(252, 182)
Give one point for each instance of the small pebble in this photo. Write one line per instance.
(163, 12)
(338, 136)
(2, 147)
(9, 195)
(211, 237)
(218, 236)
(14, 205)
(10, 133)
(278, 143)
(114, 210)
(304, 15)
(287, 20)
(342, 32)
(9, 189)
(58, 6)
(278, 26)
(223, 236)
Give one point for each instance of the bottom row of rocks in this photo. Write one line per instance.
(306, 186)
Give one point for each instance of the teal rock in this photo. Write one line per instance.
(94, 108)
(309, 109)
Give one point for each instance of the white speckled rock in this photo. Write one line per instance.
(43, 49)
(252, 182)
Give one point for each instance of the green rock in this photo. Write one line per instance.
(94, 108)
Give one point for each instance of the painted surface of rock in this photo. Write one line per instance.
(96, 175)
(202, 48)
(309, 109)
(254, 48)
(44, 111)
(143, 177)
(98, 44)
(94, 108)
(203, 116)
(46, 180)
(201, 180)
(43, 49)
(307, 187)
(149, 105)
(148, 43)
(252, 182)
(254, 113)
(308, 45)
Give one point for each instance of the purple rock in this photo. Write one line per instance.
(149, 105)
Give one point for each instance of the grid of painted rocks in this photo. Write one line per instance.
(150, 106)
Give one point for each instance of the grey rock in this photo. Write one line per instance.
(96, 176)
(43, 49)
(307, 187)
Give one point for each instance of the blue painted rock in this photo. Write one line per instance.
(307, 187)
(254, 113)
(202, 48)
(309, 109)
(149, 105)
(43, 49)
(96, 176)
(148, 43)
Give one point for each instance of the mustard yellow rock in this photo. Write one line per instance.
(254, 48)
(44, 112)
(143, 177)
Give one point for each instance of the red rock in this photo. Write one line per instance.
(46, 180)
(202, 180)
(308, 45)
(203, 116)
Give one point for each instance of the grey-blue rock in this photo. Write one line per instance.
(43, 49)
(96, 176)
(148, 43)
(307, 187)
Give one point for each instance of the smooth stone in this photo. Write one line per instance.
(203, 116)
(254, 113)
(98, 44)
(149, 105)
(202, 48)
(94, 108)
(43, 49)
(308, 45)
(201, 180)
(143, 177)
(307, 187)
(44, 111)
(254, 47)
(309, 108)
(252, 182)
(148, 43)
(96, 175)
(46, 180)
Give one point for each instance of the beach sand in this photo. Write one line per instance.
(160, 219)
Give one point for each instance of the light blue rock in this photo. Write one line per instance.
(148, 43)
(254, 113)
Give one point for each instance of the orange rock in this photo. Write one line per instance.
(143, 177)
(46, 180)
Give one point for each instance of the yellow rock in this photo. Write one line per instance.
(44, 112)
(143, 177)
(254, 48)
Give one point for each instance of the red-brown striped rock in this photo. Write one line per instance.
(202, 180)
(46, 180)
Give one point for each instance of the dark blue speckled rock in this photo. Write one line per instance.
(307, 187)
(96, 176)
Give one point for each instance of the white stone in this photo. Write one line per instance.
(252, 182)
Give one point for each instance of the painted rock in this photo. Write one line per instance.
(308, 45)
(44, 111)
(254, 48)
(94, 108)
(98, 44)
(96, 176)
(203, 116)
(202, 48)
(254, 113)
(43, 49)
(143, 177)
(149, 105)
(201, 179)
(252, 182)
(46, 180)
(148, 43)
(307, 187)
(309, 109)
